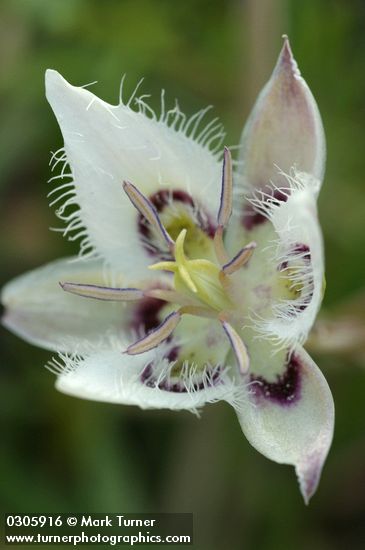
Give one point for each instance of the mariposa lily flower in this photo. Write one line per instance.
(196, 281)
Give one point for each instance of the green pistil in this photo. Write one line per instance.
(197, 243)
(199, 278)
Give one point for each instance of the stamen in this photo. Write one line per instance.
(225, 207)
(198, 311)
(147, 209)
(169, 296)
(239, 259)
(220, 251)
(238, 347)
(156, 336)
(103, 292)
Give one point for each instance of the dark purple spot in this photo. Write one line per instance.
(173, 354)
(146, 375)
(252, 218)
(163, 197)
(298, 308)
(299, 249)
(303, 249)
(146, 314)
(285, 390)
(160, 200)
(300, 252)
(283, 266)
(175, 384)
(302, 307)
(146, 318)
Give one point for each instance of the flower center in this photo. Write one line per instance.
(202, 287)
(199, 280)
(177, 210)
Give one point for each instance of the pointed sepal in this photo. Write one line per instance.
(290, 418)
(284, 129)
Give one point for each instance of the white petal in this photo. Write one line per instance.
(38, 310)
(292, 424)
(296, 242)
(107, 144)
(284, 128)
(110, 376)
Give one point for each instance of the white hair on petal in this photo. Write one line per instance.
(189, 127)
(203, 384)
(63, 196)
(89, 84)
(298, 254)
(194, 379)
(199, 384)
(133, 94)
(91, 103)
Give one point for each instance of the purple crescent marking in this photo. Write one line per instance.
(251, 218)
(174, 385)
(151, 209)
(286, 390)
(160, 200)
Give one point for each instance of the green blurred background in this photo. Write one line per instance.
(63, 454)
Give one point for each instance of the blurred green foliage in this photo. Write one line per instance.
(63, 454)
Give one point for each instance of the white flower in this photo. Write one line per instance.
(206, 280)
